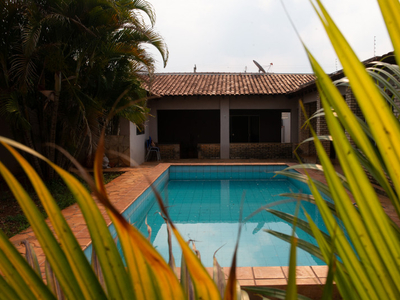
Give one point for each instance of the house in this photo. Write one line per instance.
(235, 115)
(225, 115)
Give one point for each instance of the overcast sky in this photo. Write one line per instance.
(227, 35)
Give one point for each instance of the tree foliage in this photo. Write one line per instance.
(63, 65)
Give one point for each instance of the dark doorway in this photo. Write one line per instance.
(188, 128)
(245, 129)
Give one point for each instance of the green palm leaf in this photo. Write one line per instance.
(48, 242)
(383, 125)
(391, 12)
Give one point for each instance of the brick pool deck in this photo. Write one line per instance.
(127, 188)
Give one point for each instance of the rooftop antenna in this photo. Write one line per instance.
(194, 69)
(245, 69)
(270, 66)
(260, 69)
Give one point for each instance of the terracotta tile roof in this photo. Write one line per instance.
(388, 58)
(189, 84)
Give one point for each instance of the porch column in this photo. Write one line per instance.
(224, 141)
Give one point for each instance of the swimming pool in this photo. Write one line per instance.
(204, 203)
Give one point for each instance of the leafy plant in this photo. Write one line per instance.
(63, 64)
(12, 219)
(69, 274)
(366, 268)
(366, 264)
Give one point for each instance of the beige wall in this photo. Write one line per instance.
(309, 97)
(314, 96)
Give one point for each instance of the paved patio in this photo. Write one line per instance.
(127, 188)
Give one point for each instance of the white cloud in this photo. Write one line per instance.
(225, 36)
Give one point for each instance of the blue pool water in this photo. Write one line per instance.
(204, 203)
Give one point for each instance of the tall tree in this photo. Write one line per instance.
(64, 64)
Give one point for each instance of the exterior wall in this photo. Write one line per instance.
(127, 143)
(355, 108)
(261, 150)
(307, 150)
(312, 103)
(115, 144)
(322, 127)
(137, 145)
(249, 150)
(209, 151)
(169, 151)
(309, 97)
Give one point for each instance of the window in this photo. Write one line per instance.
(139, 129)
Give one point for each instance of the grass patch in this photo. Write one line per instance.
(13, 221)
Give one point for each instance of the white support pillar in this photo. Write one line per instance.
(224, 119)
